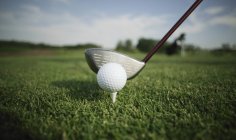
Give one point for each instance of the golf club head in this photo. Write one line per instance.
(96, 58)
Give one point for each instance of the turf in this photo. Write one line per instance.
(57, 97)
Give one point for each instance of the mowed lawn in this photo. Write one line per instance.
(56, 96)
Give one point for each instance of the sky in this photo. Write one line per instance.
(105, 22)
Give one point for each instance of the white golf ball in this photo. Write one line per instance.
(111, 77)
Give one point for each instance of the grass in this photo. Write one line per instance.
(57, 97)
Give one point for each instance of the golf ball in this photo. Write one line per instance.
(111, 77)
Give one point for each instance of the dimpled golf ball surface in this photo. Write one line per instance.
(111, 77)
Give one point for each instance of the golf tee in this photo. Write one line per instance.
(113, 97)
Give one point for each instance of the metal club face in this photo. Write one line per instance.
(96, 58)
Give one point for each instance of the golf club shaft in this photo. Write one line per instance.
(171, 31)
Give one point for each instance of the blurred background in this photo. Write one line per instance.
(122, 25)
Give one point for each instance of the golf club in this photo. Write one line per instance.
(98, 57)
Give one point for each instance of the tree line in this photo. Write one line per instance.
(143, 45)
(146, 44)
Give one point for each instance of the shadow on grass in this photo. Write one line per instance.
(10, 127)
(80, 90)
(65, 60)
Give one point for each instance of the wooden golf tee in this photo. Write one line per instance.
(113, 97)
